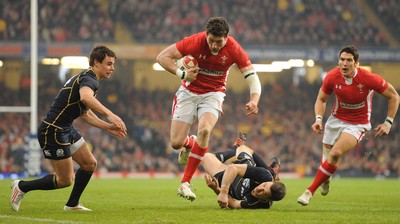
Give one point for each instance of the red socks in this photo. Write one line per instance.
(325, 171)
(195, 157)
(189, 142)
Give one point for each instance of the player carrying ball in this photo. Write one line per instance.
(202, 92)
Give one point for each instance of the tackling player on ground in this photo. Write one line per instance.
(202, 92)
(350, 118)
(248, 182)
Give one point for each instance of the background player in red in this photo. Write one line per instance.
(203, 90)
(350, 118)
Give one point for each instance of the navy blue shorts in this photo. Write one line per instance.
(244, 158)
(56, 142)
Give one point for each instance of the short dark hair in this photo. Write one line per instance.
(350, 50)
(217, 26)
(100, 52)
(278, 191)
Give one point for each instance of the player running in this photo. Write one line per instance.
(350, 118)
(202, 92)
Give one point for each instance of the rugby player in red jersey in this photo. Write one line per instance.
(350, 116)
(202, 92)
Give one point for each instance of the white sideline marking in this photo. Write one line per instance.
(37, 219)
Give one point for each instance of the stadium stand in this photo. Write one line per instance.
(258, 22)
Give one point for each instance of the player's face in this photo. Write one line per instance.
(215, 43)
(262, 191)
(347, 64)
(106, 68)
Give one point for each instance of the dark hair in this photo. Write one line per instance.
(100, 52)
(350, 50)
(217, 26)
(278, 191)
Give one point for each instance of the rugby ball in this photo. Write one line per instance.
(186, 62)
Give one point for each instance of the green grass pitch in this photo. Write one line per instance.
(155, 201)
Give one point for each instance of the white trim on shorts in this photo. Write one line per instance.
(188, 106)
(334, 127)
(77, 145)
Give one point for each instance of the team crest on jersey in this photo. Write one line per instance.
(360, 87)
(224, 58)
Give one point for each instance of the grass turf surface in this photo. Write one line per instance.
(155, 201)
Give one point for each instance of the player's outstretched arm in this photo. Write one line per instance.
(92, 119)
(87, 98)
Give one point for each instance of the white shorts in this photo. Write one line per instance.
(188, 106)
(334, 127)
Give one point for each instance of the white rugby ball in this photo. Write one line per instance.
(187, 61)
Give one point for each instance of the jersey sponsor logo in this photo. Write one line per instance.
(210, 72)
(352, 106)
(338, 86)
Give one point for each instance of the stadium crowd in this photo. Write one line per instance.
(58, 21)
(253, 22)
(282, 129)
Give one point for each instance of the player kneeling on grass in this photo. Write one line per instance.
(245, 183)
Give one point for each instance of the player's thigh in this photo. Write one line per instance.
(345, 143)
(244, 148)
(84, 157)
(179, 131)
(207, 121)
(212, 165)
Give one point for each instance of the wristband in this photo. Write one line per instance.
(181, 74)
(389, 121)
(318, 117)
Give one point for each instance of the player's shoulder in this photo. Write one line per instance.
(232, 42)
(88, 73)
(332, 74)
(196, 36)
(365, 72)
(334, 71)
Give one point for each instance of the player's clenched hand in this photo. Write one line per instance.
(223, 200)
(317, 126)
(251, 108)
(382, 129)
(191, 74)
